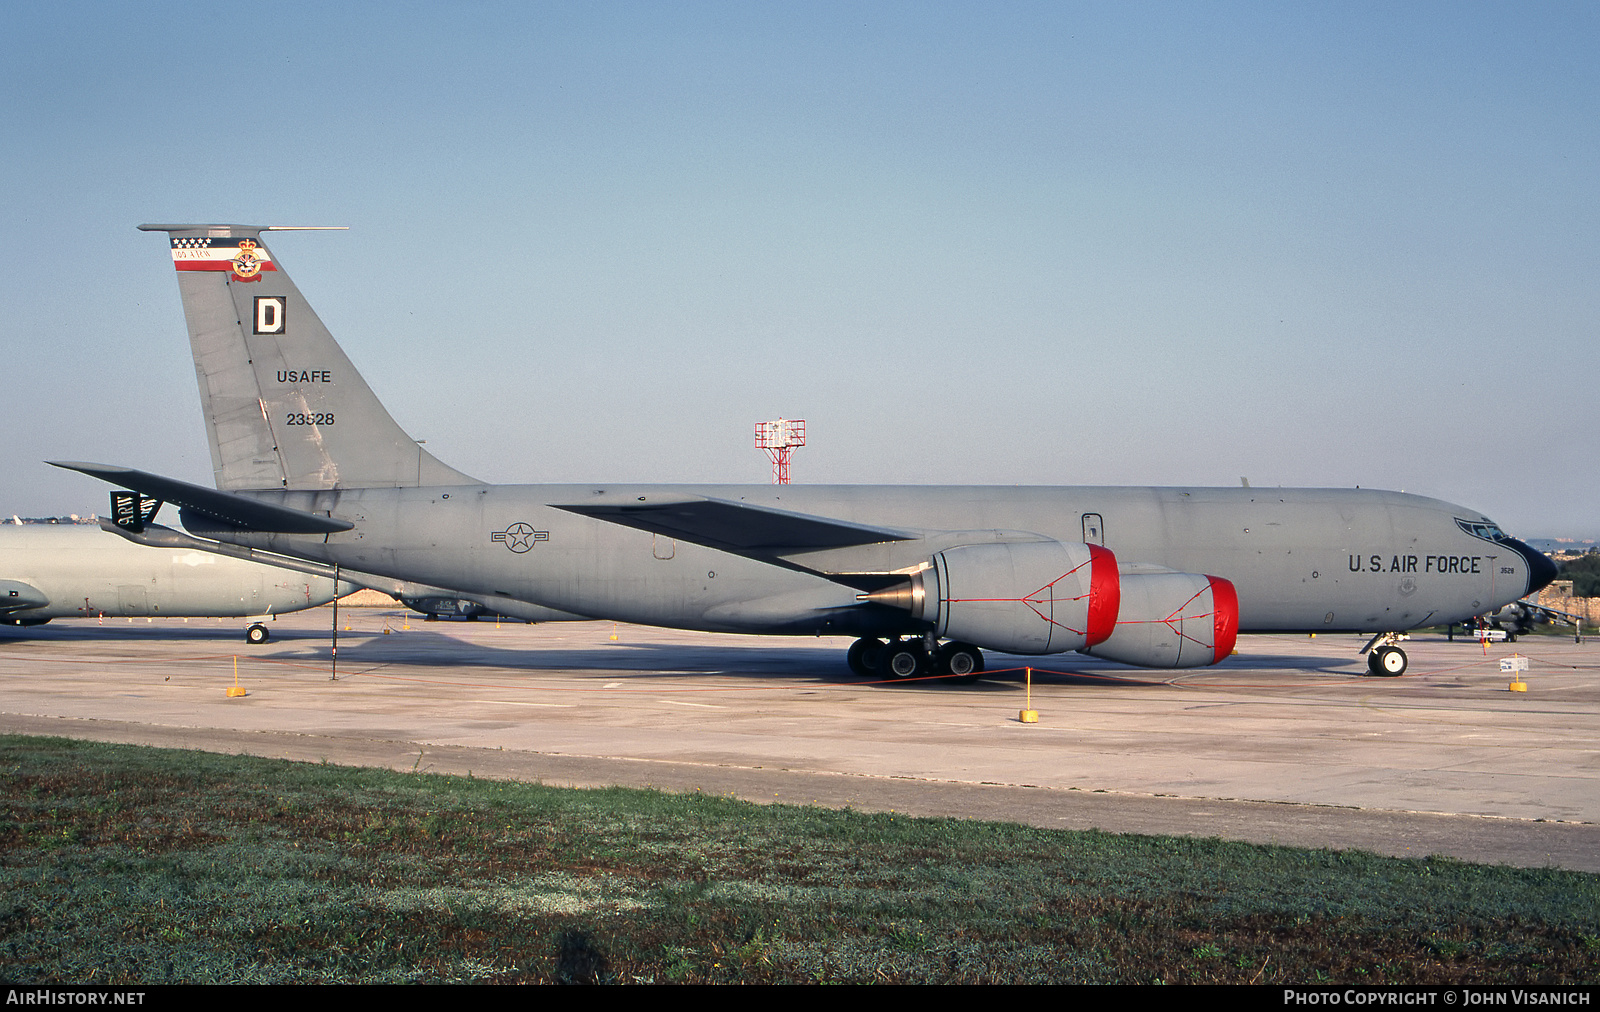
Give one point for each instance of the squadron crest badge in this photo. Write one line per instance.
(246, 266)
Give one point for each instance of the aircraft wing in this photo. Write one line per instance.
(758, 532)
(226, 507)
(862, 556)
(1553, 615)
(1524, 616)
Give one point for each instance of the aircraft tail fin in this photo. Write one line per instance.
(284, 407)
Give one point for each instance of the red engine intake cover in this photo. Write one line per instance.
(1225, 601)
(1105, 596)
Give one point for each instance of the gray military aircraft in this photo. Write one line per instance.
(309, 465)
(1520, 618)
(50, 571)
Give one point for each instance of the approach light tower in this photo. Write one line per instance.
(779, 439)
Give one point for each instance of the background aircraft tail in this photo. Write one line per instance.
(284, 407)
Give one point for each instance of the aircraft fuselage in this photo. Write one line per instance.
(308, 463)
(1306, 560)
(52, 571)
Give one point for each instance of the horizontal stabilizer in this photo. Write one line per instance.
(239, 229)
(228, 508)
(737, 528)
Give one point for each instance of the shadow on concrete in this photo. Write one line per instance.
(447, 644)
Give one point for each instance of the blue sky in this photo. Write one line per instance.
(1019, 243)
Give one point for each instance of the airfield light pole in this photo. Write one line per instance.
(779, 438)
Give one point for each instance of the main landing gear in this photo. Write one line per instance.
(1384, 656)
(961, 663)
(257, 634)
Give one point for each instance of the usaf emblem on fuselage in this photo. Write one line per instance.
(519, 537)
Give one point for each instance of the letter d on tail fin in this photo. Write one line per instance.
(284, 407)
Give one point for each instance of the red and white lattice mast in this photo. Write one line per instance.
(779, 438)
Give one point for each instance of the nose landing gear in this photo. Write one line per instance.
(1384, 656)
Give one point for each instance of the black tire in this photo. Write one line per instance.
(904, 660)
(865, 657)
(963, 662)
(1390, 662)
(257, 633)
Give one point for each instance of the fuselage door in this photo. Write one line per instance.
(1094, 530)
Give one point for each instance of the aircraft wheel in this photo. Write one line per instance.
(865, 657)
(257, 634)
(962, 661)
(1389, 662)
(904, 660)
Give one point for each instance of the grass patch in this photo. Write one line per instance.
(121, 864)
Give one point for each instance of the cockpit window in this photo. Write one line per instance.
(1488, 531)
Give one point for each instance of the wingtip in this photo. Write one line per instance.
(85, 466)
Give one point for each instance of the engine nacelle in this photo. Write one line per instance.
(1172, 620)
(1032, 597)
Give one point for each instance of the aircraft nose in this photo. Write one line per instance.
(1540, 569)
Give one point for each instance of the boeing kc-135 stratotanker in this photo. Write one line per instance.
(310, 465)
(50, 571)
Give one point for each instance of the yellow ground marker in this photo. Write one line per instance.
(1515, 663)
(1028, 715)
